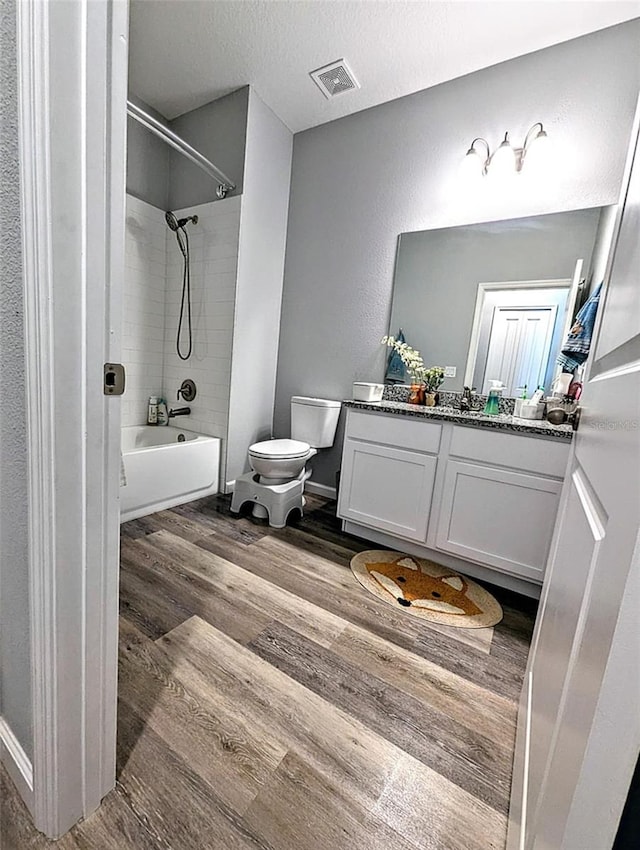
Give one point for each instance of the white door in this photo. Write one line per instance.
(579, 724)
(519, 347)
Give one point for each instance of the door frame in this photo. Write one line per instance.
(72, 87)
(498, 286)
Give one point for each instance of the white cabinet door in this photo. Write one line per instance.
(387, 488)
(498, 517)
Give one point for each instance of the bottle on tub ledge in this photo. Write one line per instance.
(163, 412)
(152, 411)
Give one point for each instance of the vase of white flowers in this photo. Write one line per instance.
(423, 380)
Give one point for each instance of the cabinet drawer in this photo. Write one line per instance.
(401, 431)
(387, 488)
(498, 517)
(547, 457)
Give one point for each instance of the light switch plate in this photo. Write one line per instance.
(450, 371)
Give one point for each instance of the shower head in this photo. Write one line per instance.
(174, 223)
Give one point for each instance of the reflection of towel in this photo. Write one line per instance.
(395, 373)
(577, 344)
(123, 474)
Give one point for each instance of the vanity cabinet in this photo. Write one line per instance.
(499, 517)
(487, 496)
(499, 499)
(388, 473)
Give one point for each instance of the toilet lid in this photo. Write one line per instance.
(280, 449)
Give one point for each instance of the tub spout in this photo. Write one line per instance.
(179, 411)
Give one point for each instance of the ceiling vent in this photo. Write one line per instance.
(334, 79)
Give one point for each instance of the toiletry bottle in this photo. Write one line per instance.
(538, 395)
(492, 407)
(163, 413)
(152, 413)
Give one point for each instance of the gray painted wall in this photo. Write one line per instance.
(263, 232)
(15, 651)
(438, 272)
(147, 161)
(161, 176)
(218, 131)
(360, 181)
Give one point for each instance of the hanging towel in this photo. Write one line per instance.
(578, 342)
(123, 473)
(396, 372)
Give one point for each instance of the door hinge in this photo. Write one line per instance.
(114, 379)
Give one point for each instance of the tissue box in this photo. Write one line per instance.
(363, 391)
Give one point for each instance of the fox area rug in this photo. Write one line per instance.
(427, 590)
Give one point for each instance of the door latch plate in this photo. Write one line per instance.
(114, 379)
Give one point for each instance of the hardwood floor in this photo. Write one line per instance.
(268, 702)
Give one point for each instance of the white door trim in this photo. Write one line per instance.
(72, 74)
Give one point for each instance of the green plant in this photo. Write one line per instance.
(433, 379)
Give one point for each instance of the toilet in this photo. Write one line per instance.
(275, 485)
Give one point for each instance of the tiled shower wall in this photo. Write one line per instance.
(153, 286)
(144, 307)
(214, 259)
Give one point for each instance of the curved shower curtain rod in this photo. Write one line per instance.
(225, 185)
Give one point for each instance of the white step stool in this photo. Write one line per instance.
(277, 499)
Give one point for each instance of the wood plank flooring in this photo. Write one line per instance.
(268, 702)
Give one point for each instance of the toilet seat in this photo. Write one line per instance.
(280, 449)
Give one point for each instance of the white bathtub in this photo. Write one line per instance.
(166, 466)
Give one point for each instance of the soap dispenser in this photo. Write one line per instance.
(492, 407)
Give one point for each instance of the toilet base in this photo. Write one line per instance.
(277, 499)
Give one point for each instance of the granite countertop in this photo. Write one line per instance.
(474, 419)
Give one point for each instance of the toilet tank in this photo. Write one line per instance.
(314, 420)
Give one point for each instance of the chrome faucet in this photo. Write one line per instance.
(465, 400)
(179, 411)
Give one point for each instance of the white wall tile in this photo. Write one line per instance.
(214, 257)
(144, 297)
(152, 297)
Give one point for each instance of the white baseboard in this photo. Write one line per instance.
(320, 489)
(17, 763)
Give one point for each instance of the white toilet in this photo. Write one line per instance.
(276, 484)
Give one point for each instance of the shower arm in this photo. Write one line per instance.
(163, 132)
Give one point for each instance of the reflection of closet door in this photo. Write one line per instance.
(519, 346)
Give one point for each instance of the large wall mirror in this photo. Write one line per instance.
(495, 300)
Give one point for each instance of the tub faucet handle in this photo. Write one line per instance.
(187, 390)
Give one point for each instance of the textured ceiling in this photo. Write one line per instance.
(185, 53)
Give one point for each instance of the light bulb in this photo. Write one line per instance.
(503, 162)
(472, 166)
(537, 154)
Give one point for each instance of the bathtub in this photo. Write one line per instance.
(166, 466)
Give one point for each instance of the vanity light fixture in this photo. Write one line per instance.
(506, 159)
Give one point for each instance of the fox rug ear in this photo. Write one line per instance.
(389, 585)
(454, 581)
(409, 563)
